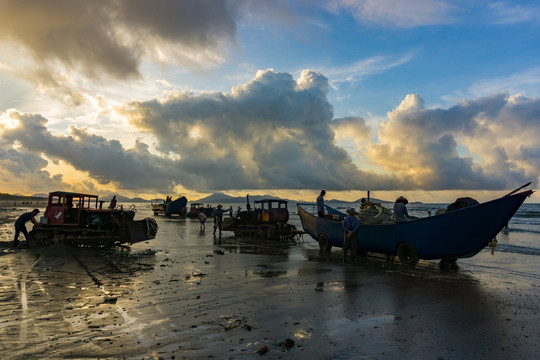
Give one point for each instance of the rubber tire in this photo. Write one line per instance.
(324, 243)
(407, 254)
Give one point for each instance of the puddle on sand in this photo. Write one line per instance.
(312, 271)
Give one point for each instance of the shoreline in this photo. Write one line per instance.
(10, 204)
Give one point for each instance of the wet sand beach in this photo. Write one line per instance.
(189, 295)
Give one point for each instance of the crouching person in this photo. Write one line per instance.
(350, 226)
(20, 225)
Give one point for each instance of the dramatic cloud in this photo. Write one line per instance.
(23, 169)
(275, 132)
(480, 144)
(272, 132)
(61, 45)
(112, 36)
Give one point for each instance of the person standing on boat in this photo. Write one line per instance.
(320, 203)
(350, 226)
(400, 210)
(20, 225)
(218, 218)
(112, 205)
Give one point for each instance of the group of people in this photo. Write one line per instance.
(218, 218)
(351, 223)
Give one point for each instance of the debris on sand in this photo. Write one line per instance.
(263, 350)
(230, 322)
(110, 300)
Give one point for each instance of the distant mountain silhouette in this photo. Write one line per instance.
(219, 197)
(21, 197)
(213, 199)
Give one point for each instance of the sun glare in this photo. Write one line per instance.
(8, 122)
(195, 133)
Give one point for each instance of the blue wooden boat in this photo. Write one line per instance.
(455, 234)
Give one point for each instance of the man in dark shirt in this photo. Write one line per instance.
(218, 218)
(20, 225)
(350, 226)
(320, 204)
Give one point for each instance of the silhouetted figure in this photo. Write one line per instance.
(112, 205)
(320, 203)
(20, 225)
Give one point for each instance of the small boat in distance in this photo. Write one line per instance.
(461, 233)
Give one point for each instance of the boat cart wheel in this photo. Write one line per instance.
(407, 254)
(324, 243)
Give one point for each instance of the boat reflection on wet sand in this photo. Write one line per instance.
(193, 295)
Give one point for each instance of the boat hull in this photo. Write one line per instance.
(457, 234)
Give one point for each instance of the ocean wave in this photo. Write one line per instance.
(516, 249)
(522, 230)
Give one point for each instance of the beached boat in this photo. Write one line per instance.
(461, 233)
(169, 208)
(80, 220)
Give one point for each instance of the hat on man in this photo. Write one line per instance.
(351, 211)
(403, 200)
(219, 206)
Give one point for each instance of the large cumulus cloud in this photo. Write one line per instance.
(277, 132)
(272, 132)
(477, 144)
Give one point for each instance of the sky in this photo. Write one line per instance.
(433, 100)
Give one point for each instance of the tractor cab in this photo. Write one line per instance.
(272, 211)
(66, 208)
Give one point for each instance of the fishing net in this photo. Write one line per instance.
(375, 214)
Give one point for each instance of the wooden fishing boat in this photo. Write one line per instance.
(455, 234)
